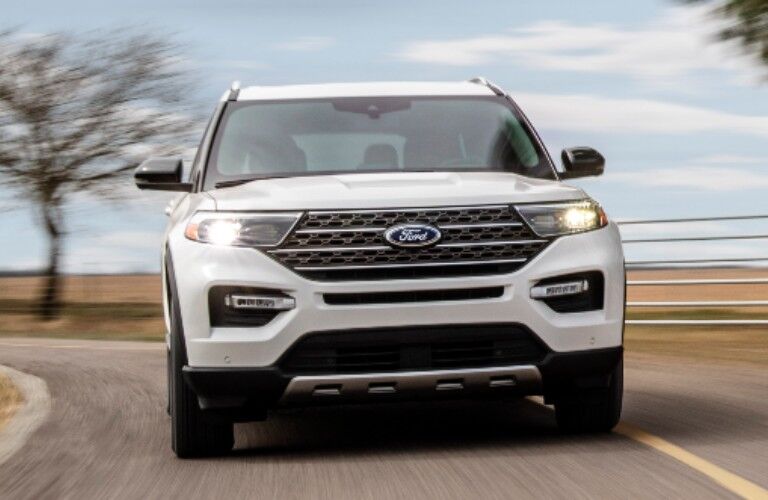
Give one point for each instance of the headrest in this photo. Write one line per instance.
(380, 156)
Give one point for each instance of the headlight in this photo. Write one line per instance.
(555, 219)
(240, 229)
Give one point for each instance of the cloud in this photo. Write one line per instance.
(244, 64)
(25, 36)
(108, 260)
(130, 239)
(307, 43)
(675, 45)
(730, 159)
(660, 229)
(115, 251)
(695, 250)
(610, 115)
(695, 178)
(25, 264)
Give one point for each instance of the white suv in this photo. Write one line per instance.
(373, 242)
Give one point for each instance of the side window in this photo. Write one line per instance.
(521, 143)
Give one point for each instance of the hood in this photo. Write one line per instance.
(390, 190)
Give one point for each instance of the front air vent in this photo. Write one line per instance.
(589, 300)
(346, 299)
(223, 313)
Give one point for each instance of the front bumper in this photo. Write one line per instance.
(249, 391)
(198, 267)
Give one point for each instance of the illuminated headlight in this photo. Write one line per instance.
(555, 219)
(240, 229)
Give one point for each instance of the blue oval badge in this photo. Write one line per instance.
(412, 235)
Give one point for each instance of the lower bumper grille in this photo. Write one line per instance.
(413, 348)
(340, 299)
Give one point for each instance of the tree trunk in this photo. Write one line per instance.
(50, 300)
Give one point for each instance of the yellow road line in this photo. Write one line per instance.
(728, 480)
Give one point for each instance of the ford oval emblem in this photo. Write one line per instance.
(412, 235)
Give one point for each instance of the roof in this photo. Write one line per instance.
(363, 89)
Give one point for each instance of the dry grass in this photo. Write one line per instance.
(128, 308)
(10, 400)
(721, 344)
(113, 307)
(103, 324)
(744, 344)
(701, 292)
(89, 289)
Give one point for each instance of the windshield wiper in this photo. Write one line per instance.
(245, 180)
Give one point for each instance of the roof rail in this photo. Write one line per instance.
(483, 81)
(234, 91)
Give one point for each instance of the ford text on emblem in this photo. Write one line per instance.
(412, 235)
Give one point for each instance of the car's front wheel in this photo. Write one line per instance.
(592, 409)
(193, 433)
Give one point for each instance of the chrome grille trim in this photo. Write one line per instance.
(343, 230)
(382, 229)
(412, 209)
(384, 247)
(330, 249)
(488, 224)
(417, 264)
(489, 243)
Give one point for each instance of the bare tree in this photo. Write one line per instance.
(74, 114)
(748, 23)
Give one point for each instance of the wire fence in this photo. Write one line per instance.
(696, 263)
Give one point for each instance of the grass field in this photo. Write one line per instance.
(129, 308)
(112, 307)
(10, 400)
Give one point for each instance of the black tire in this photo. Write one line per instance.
(593, 409)
(193, 434)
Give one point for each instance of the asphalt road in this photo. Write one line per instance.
(107, 436)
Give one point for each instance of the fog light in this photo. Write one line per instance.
(559, 289)
(259, 302)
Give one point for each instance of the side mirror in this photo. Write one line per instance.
(161, 174)
(582, 162)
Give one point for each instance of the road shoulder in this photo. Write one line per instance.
(32, 413)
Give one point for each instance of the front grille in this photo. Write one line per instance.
(349, 245)
(433, 347)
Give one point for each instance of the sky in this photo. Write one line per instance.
(681, 118)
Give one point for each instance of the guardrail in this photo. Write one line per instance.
(89, 295)
(693, 264)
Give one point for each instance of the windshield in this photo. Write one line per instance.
(372, 134)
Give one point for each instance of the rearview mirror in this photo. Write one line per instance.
(161, 174)
(582, 162)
